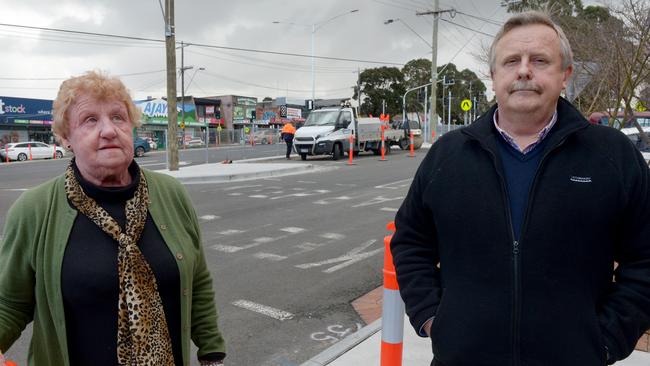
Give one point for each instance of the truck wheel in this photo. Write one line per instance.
(404, 144)
(139, 151)
(338, 152)
(387, 148)
(303, 156)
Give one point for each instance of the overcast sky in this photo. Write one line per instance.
(33, 62)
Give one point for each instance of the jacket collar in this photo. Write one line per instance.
(569, 120)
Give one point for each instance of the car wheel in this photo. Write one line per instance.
(22, 157)
(303, 156)
(139, 151)
(264, 142)
(338, 152)
(59, 154)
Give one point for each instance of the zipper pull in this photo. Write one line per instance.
(515, 247)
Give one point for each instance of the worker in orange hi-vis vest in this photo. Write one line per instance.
(287, 135)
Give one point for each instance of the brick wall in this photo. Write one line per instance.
(644, 342)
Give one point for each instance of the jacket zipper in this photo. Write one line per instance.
(516, 249)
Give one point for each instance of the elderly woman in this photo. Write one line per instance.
(106, 259)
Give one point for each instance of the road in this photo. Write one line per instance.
(288, 254)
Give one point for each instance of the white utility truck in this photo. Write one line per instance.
(328, 130)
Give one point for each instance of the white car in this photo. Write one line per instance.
(21, 151)
(194, 143)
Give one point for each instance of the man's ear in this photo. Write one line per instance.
(567, 76)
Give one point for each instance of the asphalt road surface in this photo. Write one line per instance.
(288, 255)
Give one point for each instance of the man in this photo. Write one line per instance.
(506, 242)
(287, 135)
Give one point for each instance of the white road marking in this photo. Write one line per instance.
(270, 256)
(345, 260)
(242, 187)
(235, 194)
(378, 200)
(298, 189)
(333, 236)
(304, 194)
(306, 181)
(16, 189)
(209, 217)
(293, 230)
(264, 310)
(389, 209)
(346, 184)
(231, 232)
(396, 185)
(327, 201)
(226, 248)
(258, 196)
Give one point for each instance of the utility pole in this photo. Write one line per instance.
(172, 113)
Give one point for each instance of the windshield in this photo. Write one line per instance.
(322, 118)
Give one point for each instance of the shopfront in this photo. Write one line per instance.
(23, 119)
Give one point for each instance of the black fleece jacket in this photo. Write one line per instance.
(553, 297)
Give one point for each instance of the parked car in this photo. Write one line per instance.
(20, 151)
(633, 134)
(266, 136)
(195, 143)
(409, 126)
(140, 146)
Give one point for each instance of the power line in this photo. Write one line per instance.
(202, 45)
(468, 28)
(494, 22)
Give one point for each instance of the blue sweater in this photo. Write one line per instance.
(519, 171)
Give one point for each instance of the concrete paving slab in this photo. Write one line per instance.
(353, 350)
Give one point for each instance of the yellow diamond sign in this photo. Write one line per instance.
(466, 105)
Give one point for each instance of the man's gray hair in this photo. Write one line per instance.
(532, 18)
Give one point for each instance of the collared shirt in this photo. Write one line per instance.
(511, 141)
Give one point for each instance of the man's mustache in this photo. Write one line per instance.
(524, 85)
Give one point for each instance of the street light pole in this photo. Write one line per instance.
(314, 28)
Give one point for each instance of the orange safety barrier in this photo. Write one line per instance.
(29, 146)
(383, 144)
(411, 154)
(392, 315)
(351, 153)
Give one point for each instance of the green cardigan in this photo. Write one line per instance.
(31, 255)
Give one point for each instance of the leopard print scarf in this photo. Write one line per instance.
(142, 334)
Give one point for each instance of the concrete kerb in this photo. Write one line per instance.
(344, 345)
(240, 171)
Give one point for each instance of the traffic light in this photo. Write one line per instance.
(253, 115)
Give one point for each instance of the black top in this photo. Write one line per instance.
(548, 298)
(89, 279)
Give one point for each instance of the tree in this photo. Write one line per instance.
(378, 86)
(416, 73)
(466, 85)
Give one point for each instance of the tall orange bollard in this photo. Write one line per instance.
(392, 314)
(351, 153)
(29, 147)
(411, 154)
(383, 144)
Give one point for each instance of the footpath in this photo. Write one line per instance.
(362, 347)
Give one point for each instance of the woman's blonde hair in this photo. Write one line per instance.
(97, 85)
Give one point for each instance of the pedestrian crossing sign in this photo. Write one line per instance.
(466, 105)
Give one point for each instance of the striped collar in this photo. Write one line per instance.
(511, 141)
